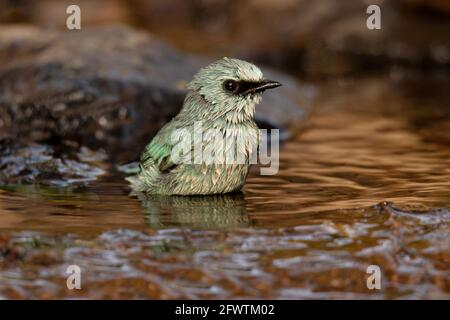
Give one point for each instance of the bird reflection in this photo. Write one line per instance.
(197, 212)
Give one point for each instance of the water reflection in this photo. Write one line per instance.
(198, 212)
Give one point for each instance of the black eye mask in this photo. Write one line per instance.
(247, 87)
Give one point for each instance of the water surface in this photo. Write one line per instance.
(365, 181)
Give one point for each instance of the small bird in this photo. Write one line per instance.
(222, 96)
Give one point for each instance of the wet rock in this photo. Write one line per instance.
(109, 87)
(38, 163)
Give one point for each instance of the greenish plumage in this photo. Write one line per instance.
(223, 97)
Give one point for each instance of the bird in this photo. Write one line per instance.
(222, 97)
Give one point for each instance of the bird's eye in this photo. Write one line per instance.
(231, 85)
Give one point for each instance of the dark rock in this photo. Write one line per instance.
(43, 164)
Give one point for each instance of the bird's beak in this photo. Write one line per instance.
(262, 86)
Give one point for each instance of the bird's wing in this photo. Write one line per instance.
(158, 152)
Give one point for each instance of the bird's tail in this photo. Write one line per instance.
(145, 180)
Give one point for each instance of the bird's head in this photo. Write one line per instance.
(230, 88)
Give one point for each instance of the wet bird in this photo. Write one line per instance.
(222, 97)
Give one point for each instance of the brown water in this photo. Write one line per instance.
(366, 181)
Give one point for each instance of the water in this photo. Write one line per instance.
(366, 181)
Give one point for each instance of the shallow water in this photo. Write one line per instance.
(366, 181)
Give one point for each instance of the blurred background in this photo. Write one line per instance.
(310, 38)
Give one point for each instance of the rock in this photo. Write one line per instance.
(108, 87)
(33, 163)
